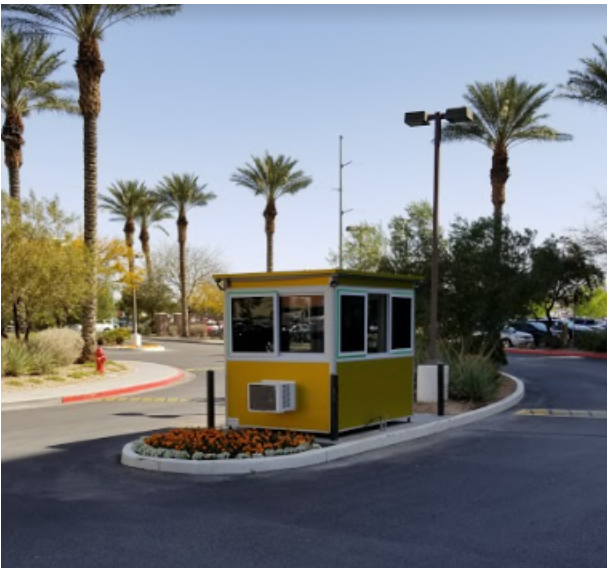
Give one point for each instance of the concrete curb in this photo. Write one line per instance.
(154, 349)
(324, 455)
(177, 376)
(124, 390)
(186, 340)
(556, 353)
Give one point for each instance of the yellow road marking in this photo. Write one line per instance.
(561, 413)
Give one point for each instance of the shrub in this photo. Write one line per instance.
(554, 342)
(55, 348)
(591, 341)
(115, 336)
(173, 331)
(473, 378)
(197, 330)
(16, 359)
(43, 360)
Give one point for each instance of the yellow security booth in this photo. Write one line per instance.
(322, 351)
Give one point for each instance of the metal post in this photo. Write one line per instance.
(134, 309)
(334, 408)
(210, 399)
(441, 389)
(341, 202)
(433, 339)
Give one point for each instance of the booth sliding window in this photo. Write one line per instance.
(255, 328)
(253, 324)
(373, 323)
(302, 324)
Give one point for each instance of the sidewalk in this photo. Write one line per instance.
(144, 376)
(556, 353)
(169, 339)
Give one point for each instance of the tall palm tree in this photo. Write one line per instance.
(182, 193)
(124, 202)
(507, 113)
(151, 213)
(27, 67)
(590, 84)
(86, 24)
(271, 178)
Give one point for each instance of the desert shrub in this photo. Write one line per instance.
(173, 331)
(197, 330)
(591, 341)
(115, 336)
(554, 342)
(473, 377)
(42, 359)
(16, 359)
(145, 328)
(55, 348)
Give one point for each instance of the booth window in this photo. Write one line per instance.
(302, 324)
(352, 323)
(402, 322)
(377, 324)
(253, 324)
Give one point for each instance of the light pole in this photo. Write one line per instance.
(422, 118)
(136, 340)
(341, 200)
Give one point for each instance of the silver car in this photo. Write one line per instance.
(510, 337)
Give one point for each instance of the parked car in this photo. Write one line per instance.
(106, 325)
(511, 337)
(537, 329)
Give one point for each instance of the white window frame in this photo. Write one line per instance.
(402, 350)
(351, 354)
(276, 335)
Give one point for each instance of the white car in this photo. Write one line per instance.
(510, 337)
(102, 326)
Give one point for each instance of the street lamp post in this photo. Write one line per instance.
(453, 115)
(341, 199)
(136, 339)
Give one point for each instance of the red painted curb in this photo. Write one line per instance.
(554, 353)
(123, 390)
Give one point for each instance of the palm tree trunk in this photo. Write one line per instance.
(182, 227)
(144, 238)
(129, 237)
(90, 236)
(89, 68)
(13, 156)
(499, 176)
(270, 217)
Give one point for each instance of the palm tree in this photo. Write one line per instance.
(124, 202)
(151, 213)
(182, 193)
(271, 178)
(507, 113)
(86, 24)
(589, 85)
(27, 65)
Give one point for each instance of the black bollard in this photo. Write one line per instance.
(211, 399)
(441, 389)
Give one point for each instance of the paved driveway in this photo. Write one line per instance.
(512, 491)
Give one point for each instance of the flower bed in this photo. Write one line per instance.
(223, 444)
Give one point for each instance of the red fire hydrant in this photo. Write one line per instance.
(101, 359)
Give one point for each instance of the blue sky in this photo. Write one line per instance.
(204, 90)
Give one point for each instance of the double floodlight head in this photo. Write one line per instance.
(453, 115)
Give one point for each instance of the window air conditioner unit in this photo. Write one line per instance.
(272, 396)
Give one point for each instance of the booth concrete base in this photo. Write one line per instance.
(427, 383)
(136, 340)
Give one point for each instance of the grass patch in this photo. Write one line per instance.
(78, 375)
(89, 365)
(56, 379)
(36, 381)
(14, 383)
(116, 366)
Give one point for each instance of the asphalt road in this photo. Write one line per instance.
(511, 491)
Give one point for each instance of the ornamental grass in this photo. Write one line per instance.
(233, 442)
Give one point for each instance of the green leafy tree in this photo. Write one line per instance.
(44, 264)
(86, 24)
(507, 113)
(589, 86)
(365, 247)
(562, 273)
(594, 305)
(181, 193)
(271, 178)
(124, 202)
(467, 296)
(27, 67)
